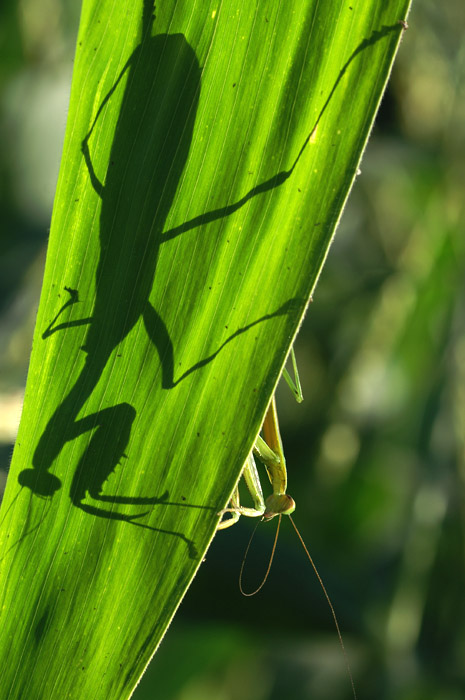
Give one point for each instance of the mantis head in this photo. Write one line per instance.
(278, 504)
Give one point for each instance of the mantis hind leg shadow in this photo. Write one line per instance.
(104, 452)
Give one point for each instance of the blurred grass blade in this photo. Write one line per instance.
(208, 155)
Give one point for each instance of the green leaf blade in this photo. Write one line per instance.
(193, 215)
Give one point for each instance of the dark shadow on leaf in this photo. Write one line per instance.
(137, 187)
(148, 154)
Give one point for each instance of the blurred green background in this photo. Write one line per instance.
(375, 452)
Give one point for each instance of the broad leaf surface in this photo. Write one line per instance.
(208, 155)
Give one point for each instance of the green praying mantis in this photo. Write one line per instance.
(269, 450)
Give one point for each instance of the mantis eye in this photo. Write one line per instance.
(278, 504)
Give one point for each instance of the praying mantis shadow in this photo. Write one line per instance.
(147, 158)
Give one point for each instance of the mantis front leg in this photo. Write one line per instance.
(235, 510)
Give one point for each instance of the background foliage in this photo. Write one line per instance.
(376, 450)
